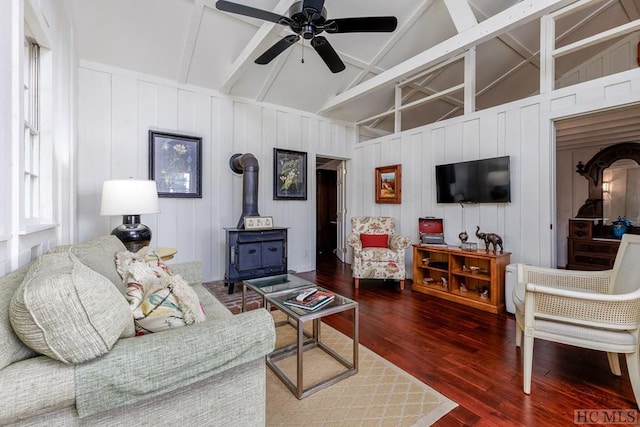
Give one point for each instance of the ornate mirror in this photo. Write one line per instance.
(621, 191)
(614, 180)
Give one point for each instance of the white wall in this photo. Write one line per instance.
(116, 109)
(51, 24)
(523, 130)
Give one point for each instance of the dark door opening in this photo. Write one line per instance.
(326, 215)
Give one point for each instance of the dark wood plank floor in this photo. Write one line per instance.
(470, 356)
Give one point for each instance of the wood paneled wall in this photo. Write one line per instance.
(523, 130)
(116, 109)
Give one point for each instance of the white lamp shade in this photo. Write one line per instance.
(129, 197)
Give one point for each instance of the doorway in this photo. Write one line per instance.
(330, 212)
(578, 139)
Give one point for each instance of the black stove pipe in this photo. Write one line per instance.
(247, 165)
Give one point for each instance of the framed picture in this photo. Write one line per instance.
(389, 184)
(258, 222)
(175, 163)
(289, 175)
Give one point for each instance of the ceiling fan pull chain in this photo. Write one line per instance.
(302, 60)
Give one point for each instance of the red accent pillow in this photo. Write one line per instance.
(374, 240)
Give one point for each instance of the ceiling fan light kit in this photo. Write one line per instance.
(307, 19)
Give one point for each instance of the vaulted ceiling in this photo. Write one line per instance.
(190, 41)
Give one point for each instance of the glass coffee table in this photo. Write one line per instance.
(273, 285)
(296, 317)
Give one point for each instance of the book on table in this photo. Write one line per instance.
(312, 302)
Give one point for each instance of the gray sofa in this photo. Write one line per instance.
(209, 373)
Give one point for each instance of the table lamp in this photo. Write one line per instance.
(130, 198)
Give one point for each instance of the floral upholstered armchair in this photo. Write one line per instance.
(378, 252)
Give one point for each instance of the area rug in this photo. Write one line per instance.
(380, 394)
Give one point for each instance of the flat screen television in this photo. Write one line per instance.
(477, 181)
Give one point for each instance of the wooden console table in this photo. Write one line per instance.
(475, 279)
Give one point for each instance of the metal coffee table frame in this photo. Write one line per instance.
(296, 318)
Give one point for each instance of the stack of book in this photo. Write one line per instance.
(310, 299)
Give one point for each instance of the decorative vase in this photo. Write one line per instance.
(463, 236)
(619, 227)
(618, 230)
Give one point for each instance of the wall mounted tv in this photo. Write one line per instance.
(477, 181)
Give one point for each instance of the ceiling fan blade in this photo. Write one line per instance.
(252, 12)
(328, 54)
(371, 24)
(277, 49)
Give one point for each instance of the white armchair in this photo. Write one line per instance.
(597, 310)
(378, 252)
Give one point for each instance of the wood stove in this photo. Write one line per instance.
(252, 253)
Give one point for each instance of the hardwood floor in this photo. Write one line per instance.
(470, 356)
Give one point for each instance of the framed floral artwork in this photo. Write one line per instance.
(175, 163)
(289, 175)
(389, 184)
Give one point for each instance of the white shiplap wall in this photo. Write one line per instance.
(116, 109)
(523, 130)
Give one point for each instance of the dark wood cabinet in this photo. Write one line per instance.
(254, 253)
(587, 251)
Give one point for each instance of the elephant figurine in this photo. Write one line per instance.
(490, 239)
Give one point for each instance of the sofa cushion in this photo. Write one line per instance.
(67, 311)
(11, 348)
(98, 254)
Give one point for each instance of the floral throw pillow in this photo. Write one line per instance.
(158, 300)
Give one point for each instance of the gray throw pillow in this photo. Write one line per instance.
(67, 311)
(98, 254)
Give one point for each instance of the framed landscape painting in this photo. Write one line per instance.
(289, 175)
(175, 163)
(389, 184)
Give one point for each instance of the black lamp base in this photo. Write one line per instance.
(134, 235)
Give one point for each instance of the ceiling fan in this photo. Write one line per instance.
(308, 18)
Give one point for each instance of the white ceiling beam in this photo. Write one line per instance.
(256, 43)
(435, 96)
(397, 35)
(630, 9)
(461, 14)
(516, 15)
(373, 133)
(271, 78)
(515, 45)
(622, 30)
(186, 55)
